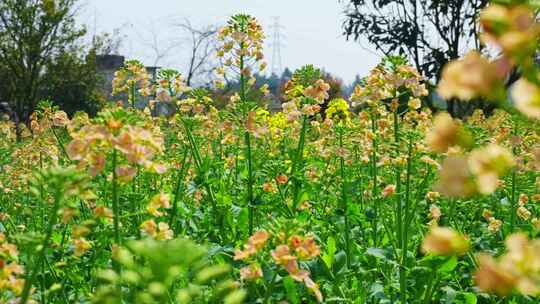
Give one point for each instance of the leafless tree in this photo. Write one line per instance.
(108, 43)
(193, 48)
(202, 46)
(161, 46)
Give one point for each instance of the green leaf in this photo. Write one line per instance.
(292, 293)
(235, 297)
(470, 298)
(377, 291)
(449, 295)
(376, 252)
(449, 265)
(339, 261)
(304, 197)
(328, 256)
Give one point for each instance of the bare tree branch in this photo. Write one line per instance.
(202, 45)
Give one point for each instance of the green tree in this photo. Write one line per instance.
(429, 32)
(35, 38)
(73, 82)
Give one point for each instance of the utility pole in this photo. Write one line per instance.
(277, 66)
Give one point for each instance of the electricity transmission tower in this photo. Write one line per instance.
(277, 66)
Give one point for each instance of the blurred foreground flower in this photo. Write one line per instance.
(470, 77)
(11, 273)
(526, 97)
(479, 173)
(444, 241)
(513, 28)
(488, 164)
(446, 133)
(518, 269)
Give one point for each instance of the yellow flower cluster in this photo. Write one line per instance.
(7, 131)
(487, 164)
(338, 111)
(196, 105)
(11, 272)
(169, 86)
(80, 244)
(132, 78)
(494, 225)
(160, 232)
(159, 201)
(286, 254)
(43, 149)
(385, 83)
(305, 92)
(254, 244)
(526, 96)
(93, 142)
(241, 46)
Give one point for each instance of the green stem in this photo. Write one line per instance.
(399, 210)
(344, 205)
(247, 143)
(430, 286)
(374, 178)
(405, 230)
(250, 202)
(132, 95)
(41, 191)
(270, 288)
(41, 250)
(179, 183)
(116, 210)
(60, 144)
(513, 203)
(298, 163)
(399, 216)
(42, 284)
(452, 211)
(198, 163)
(407, 197)
(243, 85)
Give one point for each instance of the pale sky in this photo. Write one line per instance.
(311, 31)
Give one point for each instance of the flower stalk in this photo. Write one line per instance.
(344, 200)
